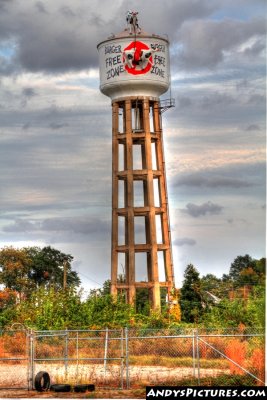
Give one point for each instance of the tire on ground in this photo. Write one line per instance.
(82, 388)
(42, 381)
(61, 388)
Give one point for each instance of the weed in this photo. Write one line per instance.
(236, 351)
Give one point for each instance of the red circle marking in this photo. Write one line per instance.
(138, 46)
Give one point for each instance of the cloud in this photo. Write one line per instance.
(184, 102)
(252, 127)
(41, 7)
(22, 225)
(28, 92)
(184, 242)
(215, 38)
(257, 100)
(54, 125)
(62, 36)
(198, 180)
(84, 226)
(206, 208)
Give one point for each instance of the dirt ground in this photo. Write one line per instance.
(140, 376)
(98, 394)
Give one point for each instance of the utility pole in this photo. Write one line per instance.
(65, 264)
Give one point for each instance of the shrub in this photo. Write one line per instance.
(236, 351)
(257, 363)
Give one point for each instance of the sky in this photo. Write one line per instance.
(55, 129)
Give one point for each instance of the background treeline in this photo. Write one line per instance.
(32, 294)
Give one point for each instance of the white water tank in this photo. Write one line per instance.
(134, 65)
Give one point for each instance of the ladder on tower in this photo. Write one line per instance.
(166, 104)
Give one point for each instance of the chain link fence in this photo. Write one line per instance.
(14, 359)
(132, 358)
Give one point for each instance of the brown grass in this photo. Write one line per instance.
(176, 362)
(257, 363)
(237, 351)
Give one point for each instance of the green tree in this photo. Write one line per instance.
(22, 270)
(7, 306)
(238, 266)
(15, 265)
(50, 308)
(191, 300)
(47, 265)
(231, 313)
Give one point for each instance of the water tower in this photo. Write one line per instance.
(134, 72)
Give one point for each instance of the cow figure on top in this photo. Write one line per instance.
(132, 22)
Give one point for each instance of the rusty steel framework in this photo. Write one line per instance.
(136, 121)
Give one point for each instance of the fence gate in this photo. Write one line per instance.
(80, 356)
(14, 359)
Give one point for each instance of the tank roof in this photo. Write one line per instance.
(125, 34)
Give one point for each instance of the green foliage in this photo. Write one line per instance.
(247, 271)
(14, 268)
(105, 311)
(22, 270)
(46, 305)
(47, 267)
(232, 313)
(191, 301)
(50, 308)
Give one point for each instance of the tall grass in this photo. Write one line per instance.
(236, 350)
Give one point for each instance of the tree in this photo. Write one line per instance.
(211, 283)
(15, 265)
(51, 308)
(191, 300)
(22, 270)
(240, 264)
(47, 267)
(248, 312)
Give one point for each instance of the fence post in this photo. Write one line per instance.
(31, 361)
(127, 358)
(122, 357)
(106, 351)
(194, 353)
(28, 355)
(77, 355)
(66, 353)
(198, 365)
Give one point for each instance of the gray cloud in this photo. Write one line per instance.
(184, 242)
(26, 126)
(47, 41)
(252, 127)
(206, 208)
(41, 7)
(216, 100)
(84, 226)
(199, 180)
(4, 4)
(22, 225)
(256, 48)
(214, 38)
(257, 99)
(58, 125)
(67, 12)
(28, 92)
(184, 102)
